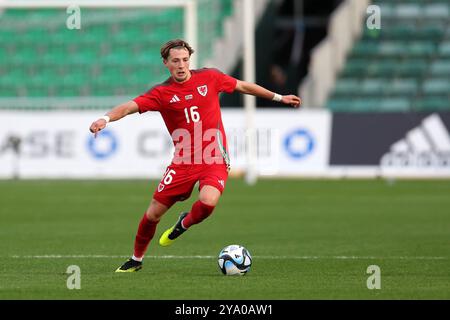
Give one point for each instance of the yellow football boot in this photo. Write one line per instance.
(130, 266)
(169, 236)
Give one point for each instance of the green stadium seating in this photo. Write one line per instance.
(432, 104)
(444, 49)
(382, 68)
(116, 51)
(372, 87)
(441, 68)
(437, 11)
(437, 86)
(408, 11)
(412, 67)
(395, 105)
(346, 86)
(402, 67)
(403, 87)
(355, 68)
(369, 105)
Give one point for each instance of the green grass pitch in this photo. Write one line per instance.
(310, 239)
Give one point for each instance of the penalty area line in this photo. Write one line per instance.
(98, 256)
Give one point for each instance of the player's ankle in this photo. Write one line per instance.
(182, 225)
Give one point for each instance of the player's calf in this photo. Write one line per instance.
(199, 212)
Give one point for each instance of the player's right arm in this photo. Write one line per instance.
(115, 114)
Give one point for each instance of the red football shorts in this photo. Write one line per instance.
(179, 180)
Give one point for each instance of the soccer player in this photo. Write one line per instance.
(189, 105)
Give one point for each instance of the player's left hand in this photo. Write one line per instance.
(292, 100)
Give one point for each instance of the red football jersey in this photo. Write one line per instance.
(191, 112)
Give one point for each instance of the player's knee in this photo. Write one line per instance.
(155, 211)
(152, 217)
(209, 199)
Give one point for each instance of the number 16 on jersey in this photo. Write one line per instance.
(192, 114)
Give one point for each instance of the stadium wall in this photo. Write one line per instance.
(46, 144)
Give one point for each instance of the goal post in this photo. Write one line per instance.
(189, 6)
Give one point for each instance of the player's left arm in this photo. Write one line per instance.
(258, 91)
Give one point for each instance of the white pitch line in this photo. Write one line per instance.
(96, 256)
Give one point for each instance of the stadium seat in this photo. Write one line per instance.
(412, 68)
(364, 49)
(382, 68)
(432, 104)
(355, 68)
(372, 87)
(437, 86)
(398, 104)
(401, 87)
(409, 11)
(396, 32)
(441, 68)
(444, 49)
(437, 11)
(391, 49)
(421, 48)
(346, 86)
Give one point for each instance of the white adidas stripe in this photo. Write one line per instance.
(437, 132)
(418, 141)
(174, 99)
(431, 135)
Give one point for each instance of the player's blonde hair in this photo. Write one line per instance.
(175, 44)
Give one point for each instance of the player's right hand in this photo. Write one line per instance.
(97, 126)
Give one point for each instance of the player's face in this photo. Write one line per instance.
(178, 64)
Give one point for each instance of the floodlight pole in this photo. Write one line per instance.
(251, 173)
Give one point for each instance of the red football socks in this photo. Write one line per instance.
(199, 212)
(145, 233)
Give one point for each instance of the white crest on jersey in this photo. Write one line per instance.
(203, 90)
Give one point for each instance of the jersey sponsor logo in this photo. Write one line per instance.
(189, 97)
(175, 99)
(427, 145)
(203, 90)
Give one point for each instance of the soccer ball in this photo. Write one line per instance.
(234, 260)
